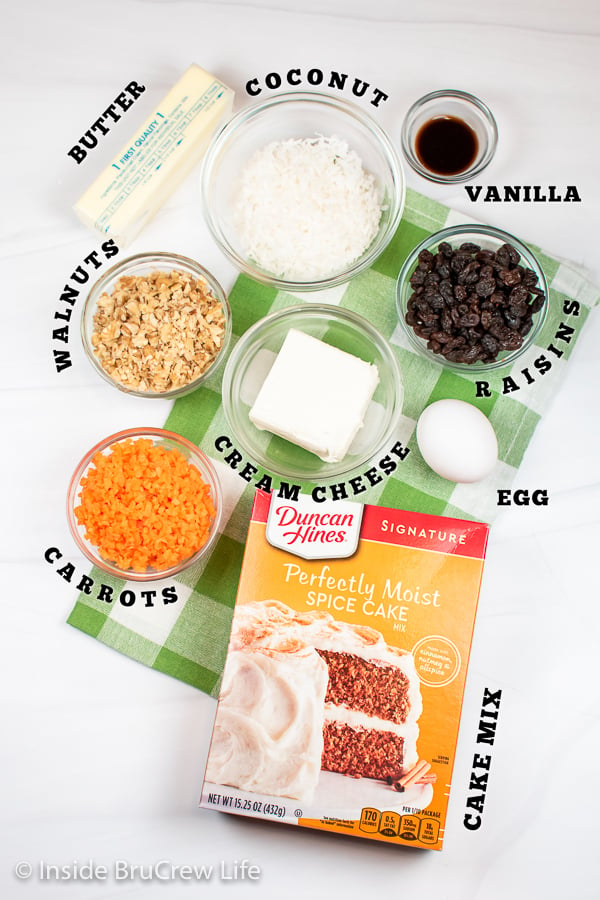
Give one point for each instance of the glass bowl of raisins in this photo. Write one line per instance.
(471, 297)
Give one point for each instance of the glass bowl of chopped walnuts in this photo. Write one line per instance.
(144, 504)
(156, 325)
(472, 298)
(302, 191)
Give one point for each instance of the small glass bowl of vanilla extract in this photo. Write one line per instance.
(449, 136)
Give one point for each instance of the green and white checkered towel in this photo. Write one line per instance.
(188, 639)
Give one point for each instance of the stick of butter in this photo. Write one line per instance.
(157, 158)
(315, 396)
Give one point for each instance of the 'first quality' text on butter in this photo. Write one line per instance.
(155, 160)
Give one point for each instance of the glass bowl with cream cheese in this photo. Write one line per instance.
(302, 191)
(313, 393)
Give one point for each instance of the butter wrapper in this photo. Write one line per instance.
(156, 159)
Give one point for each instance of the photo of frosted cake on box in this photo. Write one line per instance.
(303, 692)
(342, 688)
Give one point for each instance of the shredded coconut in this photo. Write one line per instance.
(306, 208)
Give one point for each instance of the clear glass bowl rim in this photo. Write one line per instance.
(452, 94)
(203, 463)
(227, 133)
(163, 260)
(467, 232)
(247, 346)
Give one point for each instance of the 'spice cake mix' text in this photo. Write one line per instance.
(341, 695)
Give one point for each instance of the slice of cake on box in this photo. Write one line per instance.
(372, 703)
(303, 692)
(343, 684)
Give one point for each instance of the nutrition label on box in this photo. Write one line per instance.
(409, 827)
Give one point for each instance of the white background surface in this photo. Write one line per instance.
(102, 759)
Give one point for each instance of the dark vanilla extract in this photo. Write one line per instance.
(446, 145)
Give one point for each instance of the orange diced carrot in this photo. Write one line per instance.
(144, 506)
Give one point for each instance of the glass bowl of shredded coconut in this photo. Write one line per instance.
(302, 191)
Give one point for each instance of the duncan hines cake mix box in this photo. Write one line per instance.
(343, 685)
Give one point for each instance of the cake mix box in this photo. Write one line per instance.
(342, 691)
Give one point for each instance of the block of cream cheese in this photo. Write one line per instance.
(315, 396)
(154, 161)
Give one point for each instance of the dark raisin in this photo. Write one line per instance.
(469, 304)
(490, 344)
(424, 331)
(418, 277)
(469, 320)
(421, 304)
(472, 353)
(513, 254)
(459, 261)
(518, 309)
(509, 277)
(503, 256)
(457, 355)
(518, 295)
(446, 322)
(446, 291)
(485, 288)
(514, 341)
(526, 325)
(500, 331)
(469, 274)
(486, 318)
(513, 321)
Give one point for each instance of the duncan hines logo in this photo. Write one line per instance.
(314, 531)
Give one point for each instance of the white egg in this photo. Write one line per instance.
(457, 441)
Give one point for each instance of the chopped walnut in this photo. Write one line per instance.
(158, 332)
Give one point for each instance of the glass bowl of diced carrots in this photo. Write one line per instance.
(144, 504)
